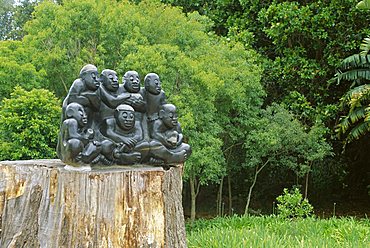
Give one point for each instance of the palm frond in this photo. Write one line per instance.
(367, 113)
(357, 96)
(358, 131)
(343, 126)
(365, 46)
(365, 4)
(356, 114)
(355, 74)
(355, 61)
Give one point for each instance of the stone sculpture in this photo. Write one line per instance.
(107, 123)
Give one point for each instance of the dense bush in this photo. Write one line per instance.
(292, 205)
(29, 124)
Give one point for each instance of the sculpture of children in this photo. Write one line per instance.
(167, 137)
(76, 142)
(126, 123)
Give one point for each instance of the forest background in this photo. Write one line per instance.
(261, 88)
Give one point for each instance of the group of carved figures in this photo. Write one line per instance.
(105, 123)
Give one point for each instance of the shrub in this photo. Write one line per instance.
(29, 124)
(292, 205)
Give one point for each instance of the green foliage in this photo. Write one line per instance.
(309, 40)
(292, 205)
(29, 124)
(280, 140)
(16, 68)
(303, 40)
(269, 231)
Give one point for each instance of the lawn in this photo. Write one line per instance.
(271, 231)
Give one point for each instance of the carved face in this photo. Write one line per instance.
(110, 80)
(169, 117)
(131, 81)
(76, 111)
(125, 119)
(91, 80)
(154, 85)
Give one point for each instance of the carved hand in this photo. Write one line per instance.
(130, 142)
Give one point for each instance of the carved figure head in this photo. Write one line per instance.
(125, 117)
(131, 81)
(109, 80)
(89, 75)
(152, 83)
(168, 115)
(76, 111)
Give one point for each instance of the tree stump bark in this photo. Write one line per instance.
(42, 204)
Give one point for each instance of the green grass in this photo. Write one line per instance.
(270, 231)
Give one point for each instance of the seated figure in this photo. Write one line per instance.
(167, 145)
(126, 144)
(76, 142)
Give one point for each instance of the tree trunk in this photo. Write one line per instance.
(193, 197)
(231, 212)
(42, 204)
(219, 197)
(306, 183)
(250, 194)
(258, 170)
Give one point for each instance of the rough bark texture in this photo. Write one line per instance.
(44, 205)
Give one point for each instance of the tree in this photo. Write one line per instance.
(280, 140)
(29, 124)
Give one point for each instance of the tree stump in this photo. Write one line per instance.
(42, 204)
